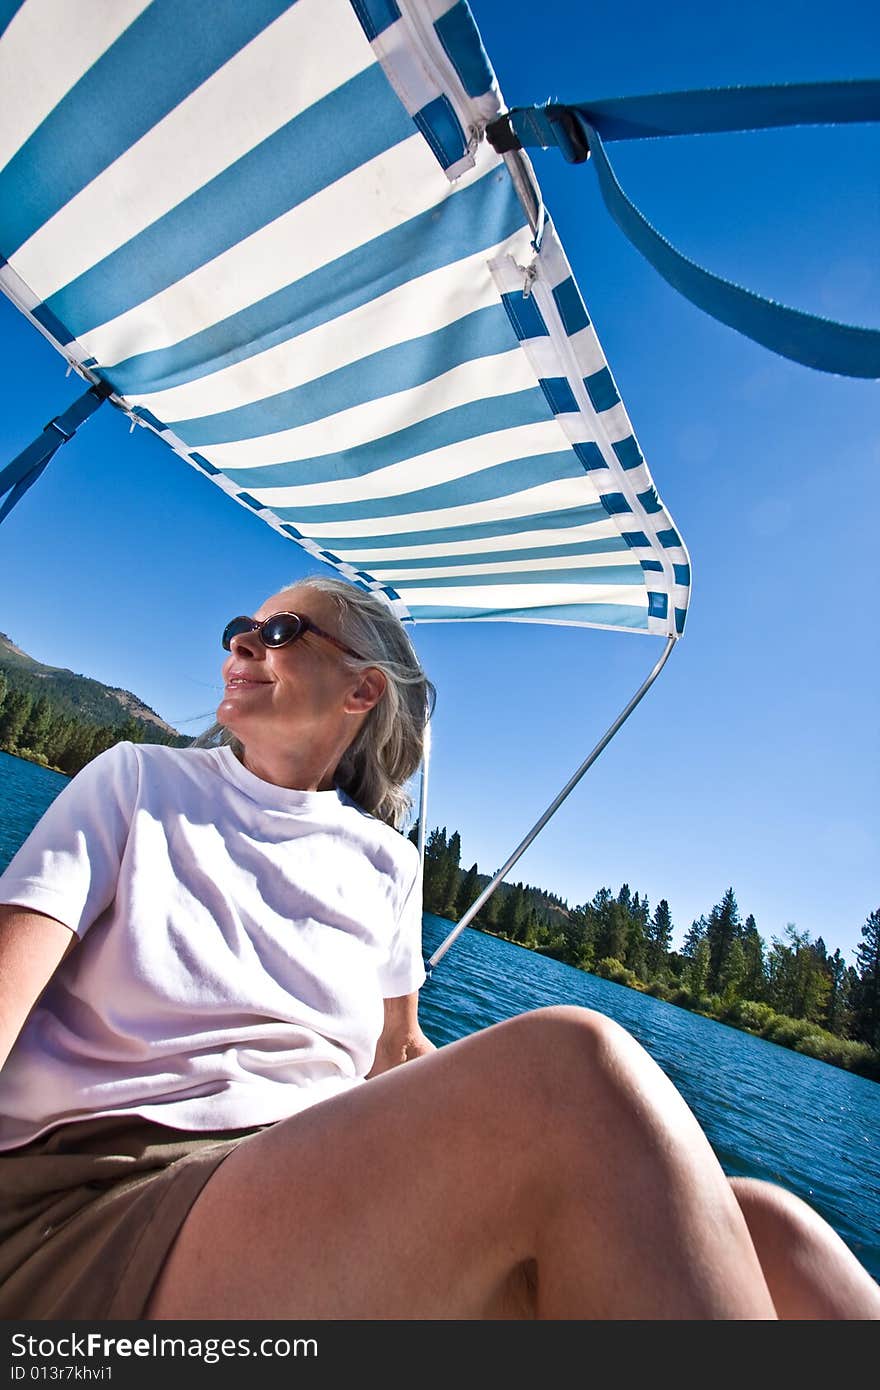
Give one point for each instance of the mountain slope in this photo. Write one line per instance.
(78, 696)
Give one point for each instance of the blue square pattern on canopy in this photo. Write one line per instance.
(280, 237)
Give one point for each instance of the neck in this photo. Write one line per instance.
(312, 771)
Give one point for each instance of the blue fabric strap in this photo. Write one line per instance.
(23, 472)
(706, 112)
(816, 342)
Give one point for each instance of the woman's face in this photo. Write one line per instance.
(295, 692)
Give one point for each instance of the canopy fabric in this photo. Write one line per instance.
(277, 233)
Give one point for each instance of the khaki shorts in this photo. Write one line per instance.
(89, 1212)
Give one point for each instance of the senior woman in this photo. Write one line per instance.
(224, 947)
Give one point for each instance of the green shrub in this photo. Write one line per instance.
(33, 757)
(750, 1014)
(658, 990)
(823, 1046)
(554, 950)
(839, 1052)
(789, 1031)
(705, 1004)
(615, 970)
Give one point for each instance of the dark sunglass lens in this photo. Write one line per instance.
(235, 629)
(283, 628)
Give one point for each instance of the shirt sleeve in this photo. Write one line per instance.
(68, 867)
(404, 970)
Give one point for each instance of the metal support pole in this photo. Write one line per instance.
(423, 792)
(539, 825)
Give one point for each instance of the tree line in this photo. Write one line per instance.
(36, 726)
(791, 990)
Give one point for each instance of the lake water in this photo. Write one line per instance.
(768, 1112)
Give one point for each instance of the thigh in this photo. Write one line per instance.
(401, 1198)
(435, 1190)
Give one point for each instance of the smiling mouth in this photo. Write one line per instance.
(242, 682)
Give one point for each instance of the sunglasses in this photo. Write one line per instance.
(279, 631)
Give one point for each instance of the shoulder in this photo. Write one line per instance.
(186, 762)
(394, 846)
(149, 764)
(166, 758)
(117, 764)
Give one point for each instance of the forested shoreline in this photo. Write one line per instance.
(44, 727)
(792, 991)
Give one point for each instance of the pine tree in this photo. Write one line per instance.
(696, 973)
(58, 738)
(79, 749)
(13, 717)
(38, 726)
(489, 914)
(753, 984)
(696, 933)
(530, 929)
(641, 910)
(797, 984)
(435, 877)
(658, 938)
(451, 874)
(836, 1009)
(612, 931)
(511, 918)
(723, 929)
(577, 934)
(634, 959)
(104, 737)
(733, 972)
(468, 892)
(852, 991)
(866, 1013)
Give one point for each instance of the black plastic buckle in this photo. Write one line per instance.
(501, 135)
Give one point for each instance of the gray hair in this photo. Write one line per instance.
(388, 748)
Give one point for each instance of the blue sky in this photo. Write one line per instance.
(754, 760)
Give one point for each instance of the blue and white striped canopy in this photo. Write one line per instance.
(277, 232)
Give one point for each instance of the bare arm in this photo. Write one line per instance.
(32, 947)
(402, 1039)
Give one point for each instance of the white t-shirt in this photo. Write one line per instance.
(238, 940)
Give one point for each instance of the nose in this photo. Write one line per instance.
(248, 644)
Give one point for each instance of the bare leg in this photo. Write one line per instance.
(543, 1167)
(810, 1271)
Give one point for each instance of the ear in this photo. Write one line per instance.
(369, 690)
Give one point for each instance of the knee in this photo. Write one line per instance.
(585, 1089)
(566, 1033)
(773, 1212)
(566, 1056)
(811, 1271)
(785, 1229)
